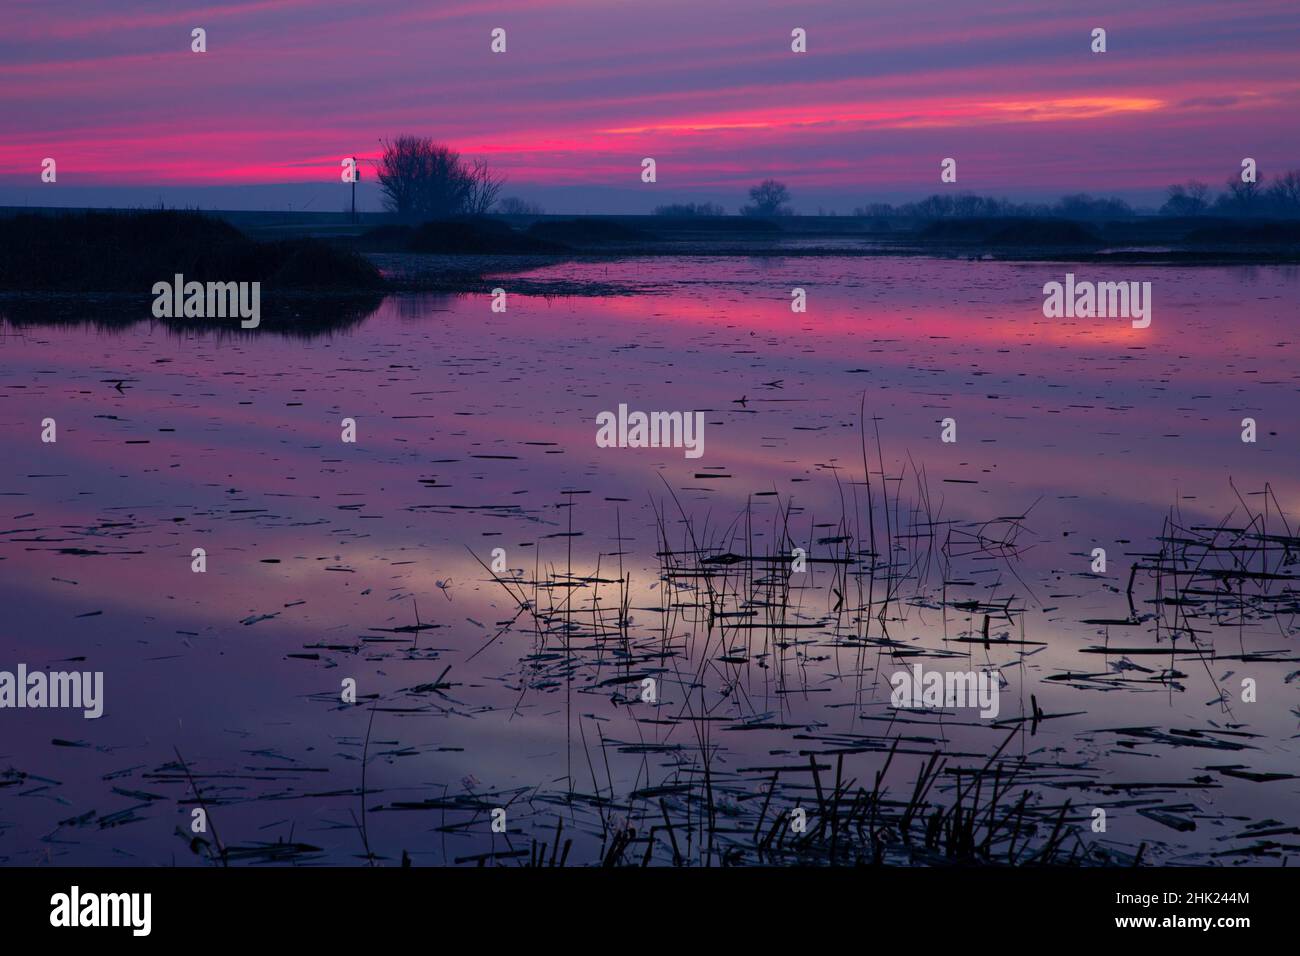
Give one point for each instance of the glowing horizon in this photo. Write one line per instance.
(713, 92)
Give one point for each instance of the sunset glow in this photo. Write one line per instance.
(587, 89)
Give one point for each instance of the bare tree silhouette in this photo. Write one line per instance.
(1285, 192)
(1239, 200)
(769, 199)
(1190, 199)
(484, 187)
(423, 180)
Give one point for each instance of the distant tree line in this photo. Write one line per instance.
(971, 206)
(1277, 200)
(690, 209)
(769, 198)
(514, 206)
(423, 180)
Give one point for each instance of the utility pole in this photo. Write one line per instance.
(356, 174)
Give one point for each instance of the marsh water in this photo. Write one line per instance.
(525, 688)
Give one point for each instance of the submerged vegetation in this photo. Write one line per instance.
(736, 631)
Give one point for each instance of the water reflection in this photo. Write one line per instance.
(524, 686)
(299, 317)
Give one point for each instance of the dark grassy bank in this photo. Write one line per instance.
(127, 252)
(1138, 239)
(314, 261)
(101, 267)
(495, 237)
(488, 237)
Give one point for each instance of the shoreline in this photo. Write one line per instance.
(316, 274)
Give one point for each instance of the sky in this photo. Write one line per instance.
(588, 88)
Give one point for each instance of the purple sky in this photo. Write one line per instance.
(586, 89)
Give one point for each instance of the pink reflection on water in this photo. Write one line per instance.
(474, 426)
